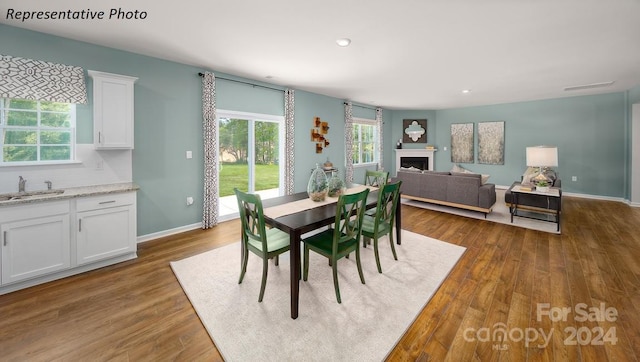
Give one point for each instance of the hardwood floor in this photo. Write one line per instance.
(137, 310)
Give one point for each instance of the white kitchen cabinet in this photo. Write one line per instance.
(106, 227)
(113, 99)
(35, 240)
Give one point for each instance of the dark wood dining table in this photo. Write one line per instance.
(299, 223)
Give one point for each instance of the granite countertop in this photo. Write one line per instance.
(29, 197)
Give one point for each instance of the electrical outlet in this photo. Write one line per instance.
(189, 154)
(189, 200)
(574, 178)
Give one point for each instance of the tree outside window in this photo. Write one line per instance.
(364, 143)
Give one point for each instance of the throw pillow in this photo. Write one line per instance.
(459, 169)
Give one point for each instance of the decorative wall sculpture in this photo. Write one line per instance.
(491, 143)
(414, 130)
(318, 134)
(462, 142)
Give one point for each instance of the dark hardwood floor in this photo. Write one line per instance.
(137, 311)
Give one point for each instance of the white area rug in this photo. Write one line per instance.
(499, 214)
(365, 327)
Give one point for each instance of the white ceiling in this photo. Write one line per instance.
(405, 54)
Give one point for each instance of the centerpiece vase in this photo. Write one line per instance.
(317, 186)
(337, 186)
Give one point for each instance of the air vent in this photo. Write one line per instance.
(588, 86)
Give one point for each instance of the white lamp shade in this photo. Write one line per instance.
(542, 156)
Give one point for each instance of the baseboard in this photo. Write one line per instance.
(585, 196)
(169, 232)
(181, 229)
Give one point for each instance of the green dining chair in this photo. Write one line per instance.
(380, 224)
(265, 243)
(377, 179)
(343, 239)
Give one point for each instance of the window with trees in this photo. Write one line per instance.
(364, 141)
(250, 148)
(34, 132)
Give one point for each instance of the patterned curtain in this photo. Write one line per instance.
(289, 121)
(210, 128)
(379, 135)
(38, 80)
(348, 141)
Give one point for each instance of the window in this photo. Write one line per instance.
(364, 141)
(34, 132)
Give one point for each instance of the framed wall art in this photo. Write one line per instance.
(462, 143)
(491, 143)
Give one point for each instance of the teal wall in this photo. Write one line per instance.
(589, 131)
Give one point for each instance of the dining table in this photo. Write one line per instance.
(286, 214)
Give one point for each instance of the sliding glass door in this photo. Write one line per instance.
(249, 152)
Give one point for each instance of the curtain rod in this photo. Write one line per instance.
(247, 83)
(357, 105)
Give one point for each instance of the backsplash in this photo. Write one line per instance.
(93, 168)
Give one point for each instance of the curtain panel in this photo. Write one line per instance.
(209, 131)
(289, 120)
(24, 78)
(379, 135)
(348, 141)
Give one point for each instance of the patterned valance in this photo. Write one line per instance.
(39, 80)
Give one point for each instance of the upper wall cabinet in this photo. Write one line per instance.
(112, 110)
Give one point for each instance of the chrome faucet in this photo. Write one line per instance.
(21, 183)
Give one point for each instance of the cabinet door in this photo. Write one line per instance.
(31, 248)
(112, 110)
(105, 233)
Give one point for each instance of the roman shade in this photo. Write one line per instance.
(24, 78)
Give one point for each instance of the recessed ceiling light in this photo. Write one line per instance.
(343, 42)
(466, 91)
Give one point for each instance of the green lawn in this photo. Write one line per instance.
(236, 175)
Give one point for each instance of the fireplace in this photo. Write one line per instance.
(416, 157)
(421, 163)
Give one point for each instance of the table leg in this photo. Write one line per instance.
(398, 222)
(294, 251)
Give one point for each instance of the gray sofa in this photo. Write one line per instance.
(462, 190)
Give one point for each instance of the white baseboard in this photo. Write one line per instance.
(161, 234)
(585, 196)
(181, 229)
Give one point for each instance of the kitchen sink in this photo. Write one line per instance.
(29, 195)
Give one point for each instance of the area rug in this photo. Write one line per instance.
(499, 214)
(365, 327)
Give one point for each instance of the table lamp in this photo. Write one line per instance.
(542, 157)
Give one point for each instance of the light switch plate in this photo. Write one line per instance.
(189, 154)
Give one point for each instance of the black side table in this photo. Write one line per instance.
(554, 193)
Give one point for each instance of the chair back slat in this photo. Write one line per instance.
(387, 203)
(376, 178)
(349, 208)
(252, 216)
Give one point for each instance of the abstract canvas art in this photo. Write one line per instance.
(491, 143)
(462, 142)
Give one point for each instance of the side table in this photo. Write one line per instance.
(553, 193)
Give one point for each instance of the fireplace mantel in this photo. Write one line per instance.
(415, 152)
